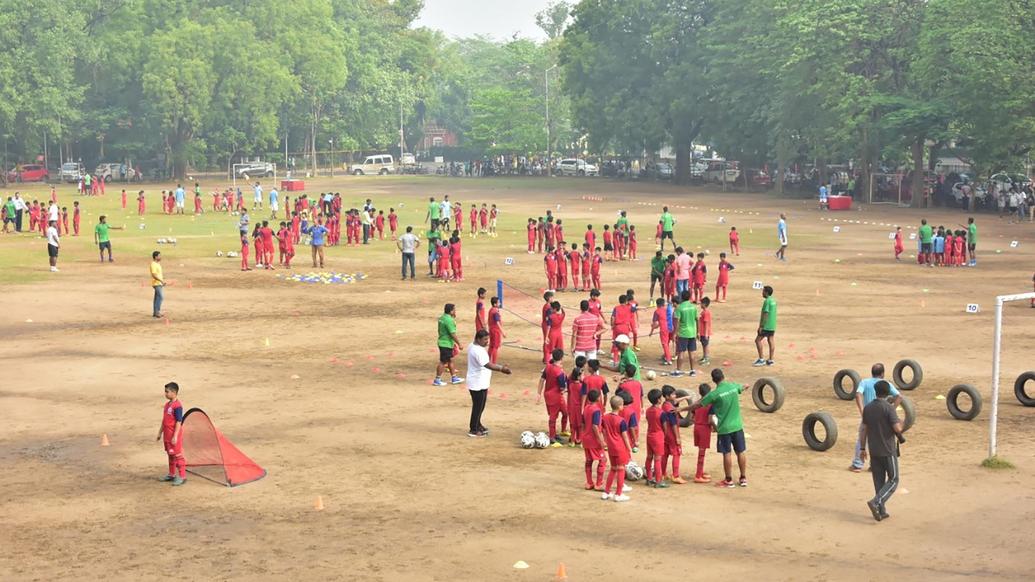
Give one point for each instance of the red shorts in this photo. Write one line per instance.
(673, 450)
(594, 454)
(702, 436)
(555, 405)
(619, 459)
(656, 444)
(171, 449)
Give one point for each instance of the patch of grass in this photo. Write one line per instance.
(995, 463)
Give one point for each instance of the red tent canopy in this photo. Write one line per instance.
(211, 455)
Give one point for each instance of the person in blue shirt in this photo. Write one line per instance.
(180, 195)
(823, 193)
(866, 393)
(257, 201)
(318, 232)
(274, 201)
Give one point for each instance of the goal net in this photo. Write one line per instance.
(887, 189)
(993, 420)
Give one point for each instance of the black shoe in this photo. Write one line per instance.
(884, 514)
(874, 509)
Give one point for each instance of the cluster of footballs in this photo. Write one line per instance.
(539, 440)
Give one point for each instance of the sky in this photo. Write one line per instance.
(499, 19)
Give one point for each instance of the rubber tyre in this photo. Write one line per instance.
(808, 430)
(758, 397)
(1018, 389)
(918, 375)
(357, 172)
(955, 410)
(686, 419)
(383, 172)
(838, 384)
(909, 411)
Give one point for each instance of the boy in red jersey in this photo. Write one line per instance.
(594, 264)
(123, 198)
(609, 246)
(658, 232)
(483, 219)
(480, 322)
(289, 245)
(445, 261)
(458, 217)
(296, 227)
(267, 244)
(635, 322)
(244, 252)
(655, 441)
(550, 264)
(593, 440)
(621, 322)
(140, 203)
(704, 329)
(586, 263)
(555, 329)
(75, 219)
(699, 275)
(474, 221)
(531, 230)
(899, 246)
(702, 435)
(960, 244)
(215, 201)
(575, 394)
(591, 237)
(551, 383)
(576, 262)
(493, 214)
(545, 313)
(379, 224)
(734, 241)
(632, 242)
(616, 437)
(659, 322)
(456, 256)
(558, 233)
(634, 406)
(197, 203)
(669, 277)
(594, 381)
(170, 433)
(670, 425)
(496, 334)
(724, 278)
(562, 267)
(260, 254)
(393, 222)
(550, 234)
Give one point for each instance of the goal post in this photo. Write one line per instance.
(993, 420)
(885, 189)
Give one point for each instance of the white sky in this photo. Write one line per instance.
(497, 18)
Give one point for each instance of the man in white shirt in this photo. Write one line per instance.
(53, 212)
(781, 234)
(368, 223)
(53, 244)
(19, 208)
(479, 375)
(257, 200)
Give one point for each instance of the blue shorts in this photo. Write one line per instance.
(684, 344)
(734, 440)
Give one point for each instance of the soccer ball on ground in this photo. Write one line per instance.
(541, 440)
(633, 472)
(527, 440)
(651, 374)
(219, 253)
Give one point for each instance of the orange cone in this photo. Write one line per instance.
(318, 504)
(189, 284)
(166, 321)
(562, 573)
(104, 440)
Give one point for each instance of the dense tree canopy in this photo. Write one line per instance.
(205, 82)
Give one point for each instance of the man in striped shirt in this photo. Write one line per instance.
(586, 330)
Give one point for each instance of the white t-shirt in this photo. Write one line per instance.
(408, 242)
(52, 212)
(478, 375)
(52, 236)
(445, 210)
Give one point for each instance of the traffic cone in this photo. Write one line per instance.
(189, 284)
(562, 573)
(166, 321)
(318, 504)
(104, 440)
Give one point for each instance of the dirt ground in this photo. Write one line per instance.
(408, 496)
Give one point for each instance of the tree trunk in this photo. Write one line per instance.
(917, 187)
(682, 176)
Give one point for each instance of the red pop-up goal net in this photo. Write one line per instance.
(211, 455)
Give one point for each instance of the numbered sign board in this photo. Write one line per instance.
(973, 308)
(757, 285)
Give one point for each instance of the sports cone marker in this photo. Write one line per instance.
(104, 440)
(318, 504)
(562, 573)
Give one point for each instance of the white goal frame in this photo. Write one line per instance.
(233, 174)
(993, 419)
(869, 195)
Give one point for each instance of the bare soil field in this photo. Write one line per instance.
(328, 388)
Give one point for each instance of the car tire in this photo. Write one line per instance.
(808, 430)
(686, 419)
(582, 173)
(758, 395)
(383, 172)
(839, 390)
(909, 411)
(1019, 391)
(953, 405)
(357, 172)
(269, 174)
(918, 375)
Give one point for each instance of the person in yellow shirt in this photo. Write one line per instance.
(158, 283)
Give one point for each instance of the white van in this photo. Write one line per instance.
(379, 164)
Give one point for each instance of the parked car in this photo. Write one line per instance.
(255, 169)
(576, 167)
(28, 173)
(663, 171)
(720, 171)
(113, 171)
(380, 164)
(759, 178)
(71, 171)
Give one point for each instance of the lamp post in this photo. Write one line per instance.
(330, 144)
(549, 152)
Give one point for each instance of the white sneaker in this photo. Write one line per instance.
(759, 362)
(53, 269)
(606, 496)
(626, 488)
(620, 498)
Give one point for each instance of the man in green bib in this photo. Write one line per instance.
(766, 327)
(433, 213)
(972, 241)
(667, 222)
(926, 234)
(725, 403)
(101, 237)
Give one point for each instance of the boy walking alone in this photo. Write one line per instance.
(170, 433)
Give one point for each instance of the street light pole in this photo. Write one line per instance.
(549, 150)
(330, 142)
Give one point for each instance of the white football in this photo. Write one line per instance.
(722, 220)
(633, 472)
(142, 226)
(527, 439)
(541, 440)
(651, 374)
(219, 253)
(232, 254)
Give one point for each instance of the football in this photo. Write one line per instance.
(651, 374)
(541, 440)
(633, 472)
(219, 253)
(527, 440)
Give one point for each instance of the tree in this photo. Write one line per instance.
(553, 18)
